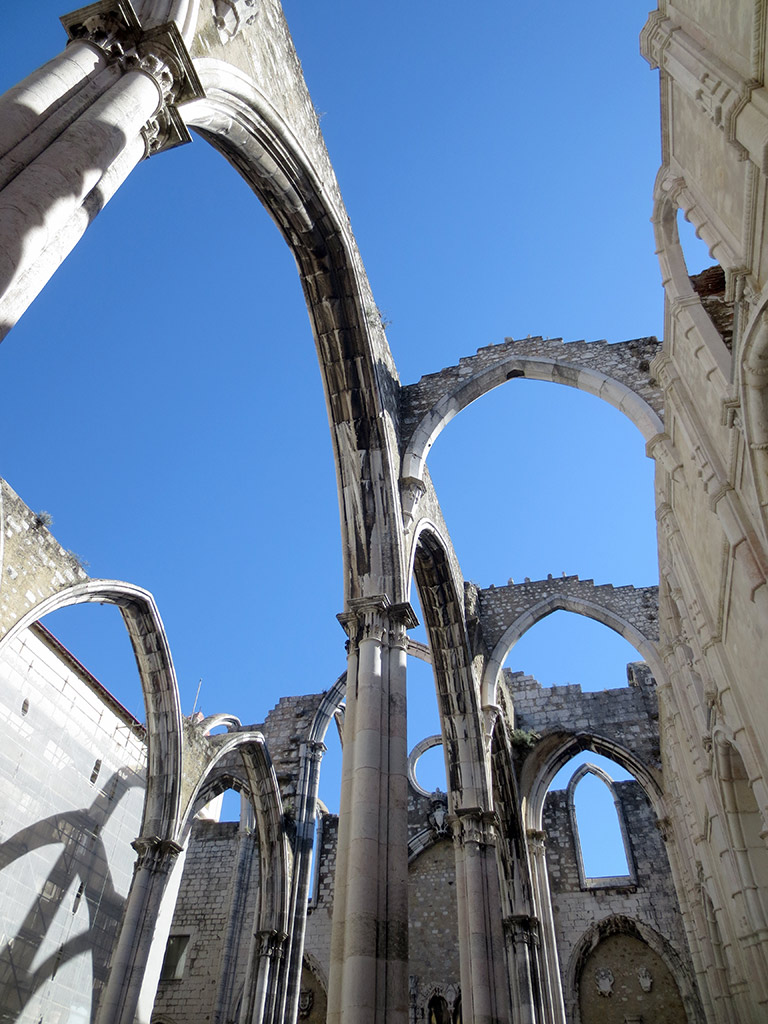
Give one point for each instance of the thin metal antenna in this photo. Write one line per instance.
(200, 683)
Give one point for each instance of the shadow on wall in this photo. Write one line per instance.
(93, 914)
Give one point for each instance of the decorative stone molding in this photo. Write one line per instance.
(113, 28)
(655, 37)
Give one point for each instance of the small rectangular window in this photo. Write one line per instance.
(175, 958)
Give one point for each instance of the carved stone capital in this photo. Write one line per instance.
(315, 750)
(271, 943)
(522, 928)
(375, 618)
(412, 489)
(154, 854)
(113, 28)
(473, 825)
(536, 841)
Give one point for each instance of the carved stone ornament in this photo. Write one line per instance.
(306, 1000)
(437, 817)
(645, 979)
(113, 27)
(231, 16)
(604, 981)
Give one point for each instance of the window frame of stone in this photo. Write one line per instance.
(627, 881)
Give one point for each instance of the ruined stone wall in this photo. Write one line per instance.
(649, 896)
(72, 765)
(627, 716)
(433, 949)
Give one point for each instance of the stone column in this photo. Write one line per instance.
(522, 935)
(259, 1003)
(44, 95)
(369, 948)
(156, 859)
(551, 985)
(484, 975)
(309, 779)
(79, 147)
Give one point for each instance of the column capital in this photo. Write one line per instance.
(536, 840)
(271, 943)
(376, 618)
(113, 28)
(473, 825)
(315, 750)
(155, 854)
(522, 928)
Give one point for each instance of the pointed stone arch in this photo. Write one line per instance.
(606, 371)
(286, 165)
(458, 698)
(556, 749)
(506, 613)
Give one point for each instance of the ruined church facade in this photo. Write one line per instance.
(491, 869)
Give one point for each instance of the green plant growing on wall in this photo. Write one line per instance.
(524, 738)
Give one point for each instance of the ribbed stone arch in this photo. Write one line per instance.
(255, 775)
(452, 390)
(458, 701)
(359, 375)
(162, 805)
(507, 613)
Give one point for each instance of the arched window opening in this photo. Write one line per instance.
(586, 798)
(707, 279)
(228, 805)
(598, 827)
(565, 647)
(554, 493)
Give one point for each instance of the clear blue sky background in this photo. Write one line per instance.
(162, 398)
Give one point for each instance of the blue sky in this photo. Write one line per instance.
(162, 398)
